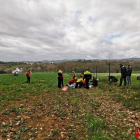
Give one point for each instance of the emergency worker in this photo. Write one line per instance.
(87, 76)
(84, 81)
(28, 76)
(123, 75)
(79, 83)
(74, 75)
(60, 78)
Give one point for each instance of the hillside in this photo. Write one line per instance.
(69, 66)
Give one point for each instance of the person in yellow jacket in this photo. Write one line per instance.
(87, 76)
(79, 83)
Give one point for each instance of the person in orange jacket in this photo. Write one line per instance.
(28, 76)
(74, 75)
(84, 82)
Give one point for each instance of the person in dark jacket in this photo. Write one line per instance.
(87, 76)
(123, 75)
(28, 76)
(113, 79)
(128, 77)
(94, 82)
(60, 78)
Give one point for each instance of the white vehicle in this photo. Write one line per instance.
(17, 71)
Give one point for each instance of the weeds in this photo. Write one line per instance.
(96, 128)
(54, 132)
(75, 112)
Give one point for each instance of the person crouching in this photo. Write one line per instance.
(79, 83)
(94, 82)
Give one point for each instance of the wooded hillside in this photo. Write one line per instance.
(69, 66)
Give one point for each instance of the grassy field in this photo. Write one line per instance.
(40, 110)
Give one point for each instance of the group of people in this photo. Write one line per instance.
(125, 75)
(86, 76)
(83, 81)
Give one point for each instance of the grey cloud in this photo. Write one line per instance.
(59, 29)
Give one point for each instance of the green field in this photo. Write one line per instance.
(40, 110)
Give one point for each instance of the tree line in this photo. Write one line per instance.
(69, 66)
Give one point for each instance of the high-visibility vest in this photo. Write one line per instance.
(60, 71)
(87, 75)
(86, 72)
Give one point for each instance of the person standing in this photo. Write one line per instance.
(87, 76)
(62, 78)
(128, 77)
(123, 75)
(28, 76)
(74, 75)
(59, 76)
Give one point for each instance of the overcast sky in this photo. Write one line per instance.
(69, 29)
